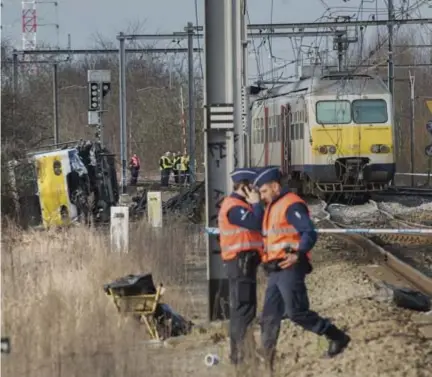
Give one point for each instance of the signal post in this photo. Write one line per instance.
(99, 85)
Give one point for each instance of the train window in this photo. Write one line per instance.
(333, 112)
(57, 167)
(301, 133)
(261, 134)
(270, 129)
(293, 132)
(369, 111)
(278, 127)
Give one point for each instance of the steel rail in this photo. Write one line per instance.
(416, 278)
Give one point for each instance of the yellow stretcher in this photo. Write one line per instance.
(136, 295)
(144, 306)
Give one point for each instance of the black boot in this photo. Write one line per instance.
(338, 341)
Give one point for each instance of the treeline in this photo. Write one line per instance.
(154, 84)
(407, 56)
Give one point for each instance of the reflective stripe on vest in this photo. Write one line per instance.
(278, 233)
(242, 246)
(183, 163)
(166, 162)
(235, 239)
(281, 245)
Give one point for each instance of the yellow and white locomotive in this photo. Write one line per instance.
(330, 134)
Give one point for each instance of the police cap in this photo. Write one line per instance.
(267, 175)
(243, 174)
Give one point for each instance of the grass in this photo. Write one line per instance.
(54, 309)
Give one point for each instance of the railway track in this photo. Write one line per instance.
(390, 250)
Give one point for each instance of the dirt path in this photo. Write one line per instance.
(385, 340)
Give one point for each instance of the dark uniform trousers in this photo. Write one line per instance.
(286, 297)
(165, 174)
(134, 175)
(242, 277)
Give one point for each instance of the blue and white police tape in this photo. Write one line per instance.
(214, 231)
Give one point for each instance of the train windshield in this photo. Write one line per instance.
(333, 112)
(369, 111)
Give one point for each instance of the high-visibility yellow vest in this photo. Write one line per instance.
(184, 162)
(166, 162)
(177, 163)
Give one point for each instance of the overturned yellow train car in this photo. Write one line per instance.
(42, 187)
(51, 170)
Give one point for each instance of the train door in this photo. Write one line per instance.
(266, 136)
(286, 138)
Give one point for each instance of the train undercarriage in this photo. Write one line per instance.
(349, 179)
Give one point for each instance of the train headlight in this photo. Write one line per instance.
(384, 149)
(322, 149)
(331, 149)
(380, 148)
(375, 148)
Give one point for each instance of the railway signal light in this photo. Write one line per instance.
(94, 96)
(106, 87)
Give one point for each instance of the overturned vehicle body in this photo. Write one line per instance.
(61, 186)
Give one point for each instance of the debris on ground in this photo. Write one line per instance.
(189, 203)
(138, 296)
(403, 297)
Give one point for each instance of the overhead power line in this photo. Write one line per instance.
(330, 24)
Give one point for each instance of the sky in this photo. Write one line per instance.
(85, 19)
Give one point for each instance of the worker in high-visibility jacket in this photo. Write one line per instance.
(165, 166)
(184, 168)
(176, 166)
(289, 236)
(240, 220)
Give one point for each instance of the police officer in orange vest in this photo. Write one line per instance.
(289, 236)
(240, 220)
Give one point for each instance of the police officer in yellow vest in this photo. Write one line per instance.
(240, 220)
(165, 166)
(289, 236)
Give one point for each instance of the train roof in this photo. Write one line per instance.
(330, 84)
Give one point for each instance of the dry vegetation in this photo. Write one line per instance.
(59, 319)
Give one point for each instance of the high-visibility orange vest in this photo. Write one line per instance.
(278, 232)
(233, 238)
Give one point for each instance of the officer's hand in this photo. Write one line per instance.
(288, 261)
(252, 197)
